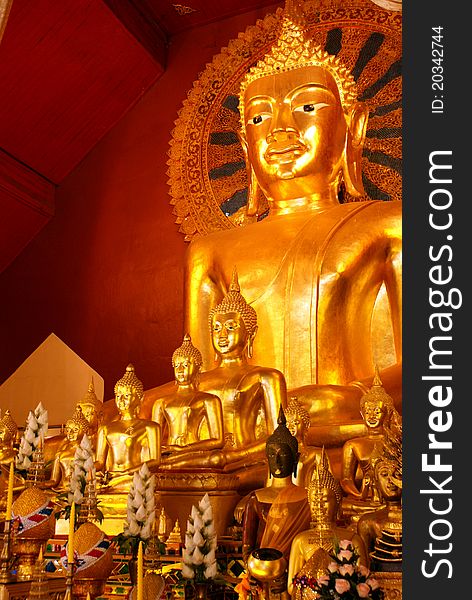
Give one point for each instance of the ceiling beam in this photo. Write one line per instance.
(27, 204)
(141, 23)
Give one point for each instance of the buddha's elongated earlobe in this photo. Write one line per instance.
(252, 205)
(250, 343)
(355, 137)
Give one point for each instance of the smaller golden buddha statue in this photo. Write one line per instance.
(276, 513)
(92, 410)
(381, 530)
(10, 424)
(163, 525)
(174, 541)
(376, 407)
(75, 429)
(324, 497)
(185, 412)
(298, 422)
(7, 450)
(246, 391)
(126, 443)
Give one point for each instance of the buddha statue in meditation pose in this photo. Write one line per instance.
(358, 453)
(125, 444)
(324, 497)
(75, 429)
(246, 391)
(8, 432)
(92, 410)
(298, 422)
(276, 513)
(323, 276)
(381, 530)
(184, 413)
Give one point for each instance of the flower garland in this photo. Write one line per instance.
(140, 512)
(82, 464)
(344, 578)
(35, 430)
(199, 554)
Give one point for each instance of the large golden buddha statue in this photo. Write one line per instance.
(323, 276)
(186, 411)
(125, 444)
(250, 395)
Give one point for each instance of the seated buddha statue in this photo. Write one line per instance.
(8, 432)
(92, 410)
(381, 530)
(323, 276)
(375, 406)
(186, 411)
(75, 429)
(246, 391)
(125, 444)
(276, 513)
(324, 497)
(298, 423)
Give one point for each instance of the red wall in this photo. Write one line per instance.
(106, 273)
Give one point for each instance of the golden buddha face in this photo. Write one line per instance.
(385, 475)
(126, 398)
(323, 504)
(5, 437)
(281, 460)
(296, 426)
(374, 414)
(91, 414)
(185, 370)
(295, 132)
(72, 431)
(229, 334)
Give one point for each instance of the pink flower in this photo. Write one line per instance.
(333, 567)
(364, 571)
(345, 544)
(323, 580)
(374, 584)
(342, 586)
(363, 590)
(346, 570)
(347, 554)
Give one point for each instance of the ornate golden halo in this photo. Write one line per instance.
(207, 172)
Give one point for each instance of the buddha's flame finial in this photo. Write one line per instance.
(129, 379)
(188, 350)
(281, 419)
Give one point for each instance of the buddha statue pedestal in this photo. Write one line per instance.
(177, 491)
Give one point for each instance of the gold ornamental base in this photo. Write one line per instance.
(177, 492)
(83, 587)
(27, 550)
(390, 583)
